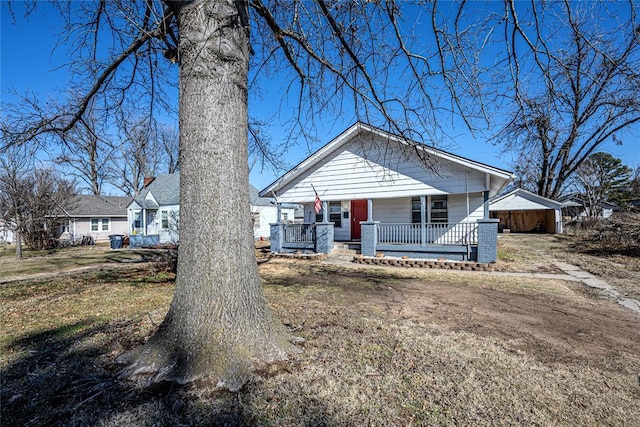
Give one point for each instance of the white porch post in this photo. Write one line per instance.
(325, 211)
(369, 210)
(486, 204)
(423, 220)
(278, 213)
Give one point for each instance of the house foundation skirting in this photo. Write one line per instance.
(141, 241)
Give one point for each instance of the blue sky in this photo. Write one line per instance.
(29, 62)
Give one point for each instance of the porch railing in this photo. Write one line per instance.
(463, 233)
(299, 233)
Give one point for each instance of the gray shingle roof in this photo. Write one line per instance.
(256, 200)
(166, 190)
(99, 206)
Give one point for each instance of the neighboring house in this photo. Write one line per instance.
(94, 216)
(264, 212)
(6, 233)
(154, 213)
(575, 207)
(522, 211)
(392, 195)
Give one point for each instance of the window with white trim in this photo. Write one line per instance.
(164, 220)
(335, 214)
(137, 219)
(437, 209)
(100, 224)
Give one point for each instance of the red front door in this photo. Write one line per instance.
(358, 213)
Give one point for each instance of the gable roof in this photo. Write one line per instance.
(165, 191)
(520, 199)
(255, 198)
(98, 206)
(347, 136)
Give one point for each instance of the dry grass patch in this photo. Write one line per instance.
(383, 347)
(55, 261)
(618, 265)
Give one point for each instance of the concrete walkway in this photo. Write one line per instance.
(597, 283)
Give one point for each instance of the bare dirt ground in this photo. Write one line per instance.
(553, 320)
(383, 346)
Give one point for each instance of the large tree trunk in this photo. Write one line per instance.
(219, 325)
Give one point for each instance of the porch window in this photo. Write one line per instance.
(416, 215)
(335, 214)
(137, 219)
(437, 209)
(99, 224)
(164, 217)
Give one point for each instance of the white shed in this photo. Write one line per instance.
(522, 211)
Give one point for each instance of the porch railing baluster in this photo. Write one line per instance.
(435, 233)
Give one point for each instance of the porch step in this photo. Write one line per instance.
(342, 251)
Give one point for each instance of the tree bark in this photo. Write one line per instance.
(18, 239)
(219, 326)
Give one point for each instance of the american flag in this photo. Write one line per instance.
(317, 205)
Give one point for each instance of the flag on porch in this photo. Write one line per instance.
(317, 205)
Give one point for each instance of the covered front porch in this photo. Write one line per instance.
(467, 240)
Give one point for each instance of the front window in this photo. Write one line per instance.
(335, 214)
(416, 214)
(137, 219)
(164, 215)
(99, 224)
(437, 210)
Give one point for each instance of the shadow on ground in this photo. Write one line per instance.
(68, 376)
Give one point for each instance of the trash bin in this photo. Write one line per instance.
(116, 241)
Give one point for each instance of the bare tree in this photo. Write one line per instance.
(30, 201)
(88, 154)
(558, 79)
(147, 149)
(169, 146)
(14, 165)
(366, 61)
(139, 156)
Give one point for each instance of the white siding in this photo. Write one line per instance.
(458, 207)
(79, 227)
(380, 172)
(394, 211)
(518, 203)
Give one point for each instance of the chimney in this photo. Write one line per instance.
(148, 181)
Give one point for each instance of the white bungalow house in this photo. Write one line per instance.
(393, 196)
(155, 212)
(521, 211)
